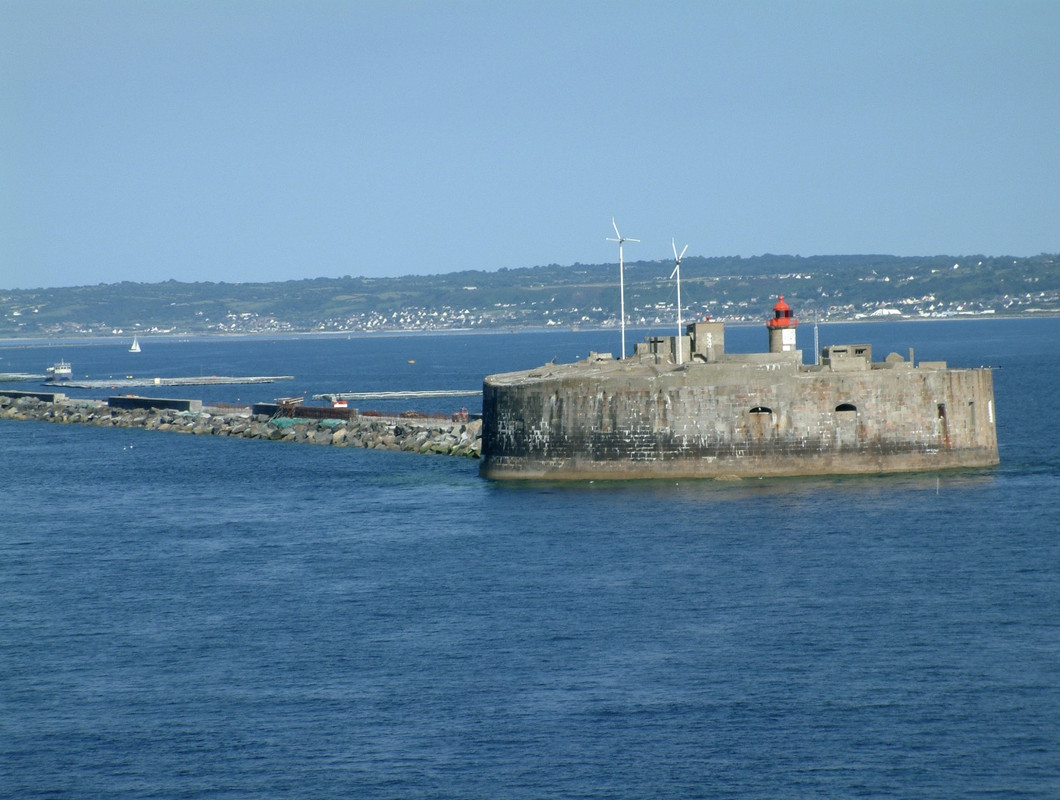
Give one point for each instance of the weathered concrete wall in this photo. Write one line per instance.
(130, 401)
(49, 397)
(744, 418)
(420, 435)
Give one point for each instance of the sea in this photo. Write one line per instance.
(207, 617)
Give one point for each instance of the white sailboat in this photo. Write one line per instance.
(135, 348)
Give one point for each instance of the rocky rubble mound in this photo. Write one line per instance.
(463, 438)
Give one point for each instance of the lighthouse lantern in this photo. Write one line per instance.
(782, 328)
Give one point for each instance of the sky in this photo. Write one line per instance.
(225, 140)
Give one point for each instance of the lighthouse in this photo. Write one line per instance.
(782, 328)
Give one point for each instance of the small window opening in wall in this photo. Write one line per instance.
(846, 407)
(942, 411)
(761, 410)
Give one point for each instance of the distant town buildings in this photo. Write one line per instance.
(541, 298)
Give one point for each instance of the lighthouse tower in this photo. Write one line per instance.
(782, 328)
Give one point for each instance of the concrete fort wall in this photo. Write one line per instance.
(744, 419)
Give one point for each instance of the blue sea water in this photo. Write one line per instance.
(200, 617)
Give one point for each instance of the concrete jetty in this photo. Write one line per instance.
(459, 437)
(331, 397)
(202, 380)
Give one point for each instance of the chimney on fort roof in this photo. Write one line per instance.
(782, 328)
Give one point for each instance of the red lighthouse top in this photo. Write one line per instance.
(782, 316)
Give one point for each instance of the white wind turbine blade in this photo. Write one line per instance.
(677, 258)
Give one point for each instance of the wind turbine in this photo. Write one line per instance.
(621, 281)
(677, 272)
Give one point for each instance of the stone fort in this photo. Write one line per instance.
(680, 406)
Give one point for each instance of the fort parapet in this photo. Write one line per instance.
(735, 415)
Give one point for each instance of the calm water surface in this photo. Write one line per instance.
(194, 617)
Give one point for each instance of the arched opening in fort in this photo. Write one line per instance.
(943, 427)
(846, 425)
(760, 427)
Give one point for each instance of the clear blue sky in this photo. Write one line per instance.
(243, 141)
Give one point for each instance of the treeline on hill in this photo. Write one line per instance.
(730, 288)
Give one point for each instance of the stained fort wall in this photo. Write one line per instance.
(748, 415)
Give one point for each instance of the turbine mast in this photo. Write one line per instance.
(621, 281)
(677, 272)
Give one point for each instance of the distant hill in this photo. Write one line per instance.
(734, 289)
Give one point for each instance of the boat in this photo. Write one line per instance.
(60, 371)
(135, 348)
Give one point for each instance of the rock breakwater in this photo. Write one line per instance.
(421, 435)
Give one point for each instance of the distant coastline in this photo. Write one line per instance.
(29, 341)
(578, 297)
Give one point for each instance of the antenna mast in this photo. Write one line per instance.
(816, 341)
(677, 272)
(621, 281)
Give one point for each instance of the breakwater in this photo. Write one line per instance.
(415, 434)
(131, 382)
